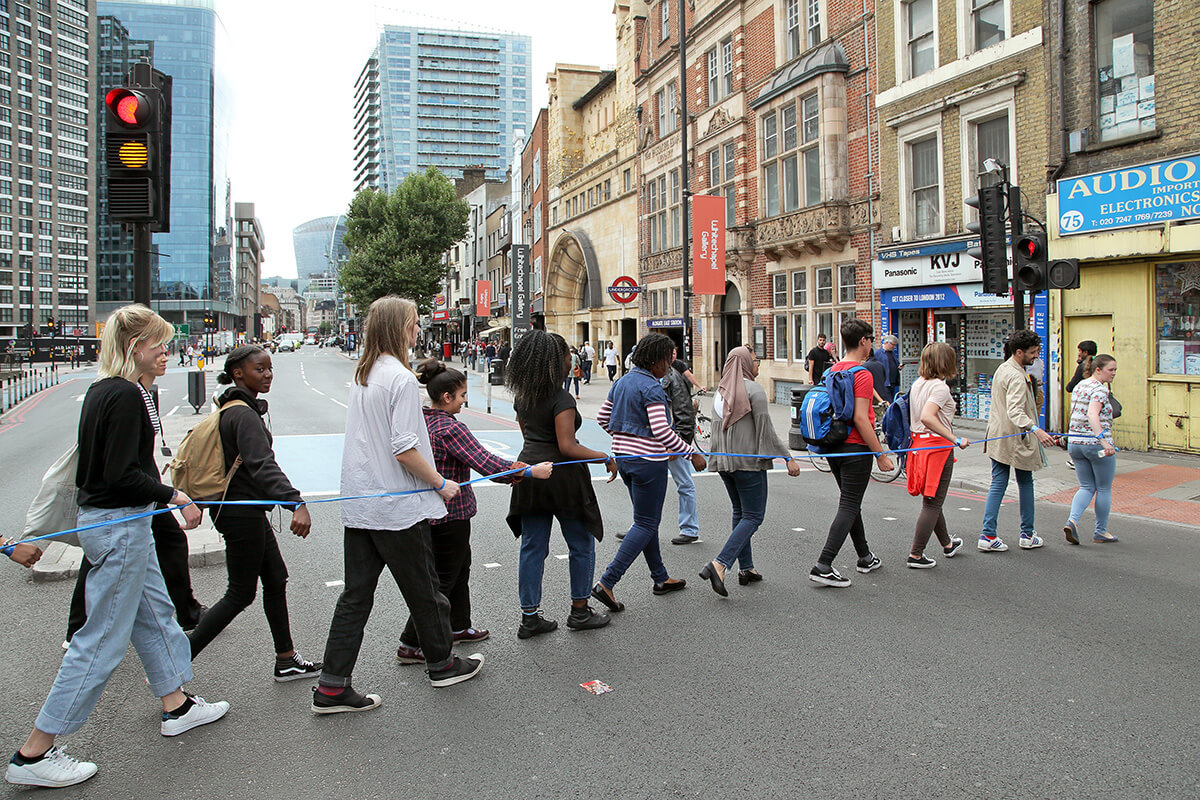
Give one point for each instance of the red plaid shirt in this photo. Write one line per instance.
(456, 452)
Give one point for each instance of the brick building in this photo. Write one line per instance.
(960, 82)
(535, 210)
(1125, 199)
(781, 125)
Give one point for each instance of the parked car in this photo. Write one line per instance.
(286, 346)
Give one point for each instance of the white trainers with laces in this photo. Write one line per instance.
(1030, 541)
(994, 545)
(54, 769)
(202, 712)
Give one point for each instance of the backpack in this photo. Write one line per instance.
(897, 426)
(198, 468)
(827, 410)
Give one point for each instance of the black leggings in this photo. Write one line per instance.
(931, 520)
(452, 558)
(852, 474)
(251, 554)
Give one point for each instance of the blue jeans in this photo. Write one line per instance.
(127, 602)
(748, 494)
(647, 484)
(1095, 480)
(689, 514)
(991, 509)
(535, 546)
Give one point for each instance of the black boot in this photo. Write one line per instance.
(583, 618)
(534, 625)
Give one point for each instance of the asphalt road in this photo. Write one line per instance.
(1066, 672)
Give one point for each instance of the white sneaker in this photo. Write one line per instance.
(995, 545)
(1029, 542)
(201, 713)
(54, 769)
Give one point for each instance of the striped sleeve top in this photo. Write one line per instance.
(658, 448)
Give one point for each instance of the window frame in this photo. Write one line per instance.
(843, 285)
(1142, 128)
(664, 15)
(786, 172)
(826, 269)
(905, 40)
(722, 166)
(973, 9)
(779, 290)
(914, 132)
(779, 343)
(971, 114)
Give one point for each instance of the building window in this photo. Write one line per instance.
(537, 222)
(812, 22)
(779, 290)
(677, 301)
(800, 288)
(824, 286)
(664, 19)
(720, 71)
(676, 209)
(792, 157)
(792, 25)
(781, 337)
(721, 164)
(846, 283)
(672, 107)
(628, 180)
(1125, 63)
(990, 141)
(920, 53)
(925, 198)
(799, 326)
(987, 22)
(537, 168)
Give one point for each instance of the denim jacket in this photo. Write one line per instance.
(630, 396)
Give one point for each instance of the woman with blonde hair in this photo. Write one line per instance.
(127, 599)
(931, 462)
(387, 451)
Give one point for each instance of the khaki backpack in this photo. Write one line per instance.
(198, 468)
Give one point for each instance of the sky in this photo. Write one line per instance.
(292, 67)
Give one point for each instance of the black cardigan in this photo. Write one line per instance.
(259, 477)
(116, 449)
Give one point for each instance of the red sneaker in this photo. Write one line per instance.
(471, 635)
(409, 655)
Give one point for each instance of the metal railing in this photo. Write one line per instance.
(18, 384)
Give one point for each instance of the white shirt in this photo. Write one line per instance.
(589, 353)
(610, 357)
(383, 420)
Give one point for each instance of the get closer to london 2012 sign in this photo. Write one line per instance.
(1163, 191)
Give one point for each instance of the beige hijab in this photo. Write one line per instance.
(739, 367)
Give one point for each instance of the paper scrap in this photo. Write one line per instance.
(596, 687)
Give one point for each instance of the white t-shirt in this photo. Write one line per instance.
(924, 392)
(610, 357)
(589, 353)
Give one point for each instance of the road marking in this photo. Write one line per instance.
(172, 411)
(560, 558)
(331, 584)
(889, 519)
(964, 509)
(80, 398)
(798, 530)
(340, 403)
(492, 565)
(318, 391)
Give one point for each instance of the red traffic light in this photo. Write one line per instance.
(131, 109)
(1031, 248)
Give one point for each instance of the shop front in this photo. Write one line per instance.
(923, 309)
(1136, 233)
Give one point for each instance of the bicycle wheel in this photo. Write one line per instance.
(703, 427)
(886, 476)
(822, 464)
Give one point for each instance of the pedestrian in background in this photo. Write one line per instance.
(611, 360)
(683, 422)
(574, 373)
(549, 420)
(251, 550)
(456, 452)
(1091, 446)
(852, 471)
(1085, 351)
(818, 361)
(636, 415)
(742, 424)
(387, 451)
(588, 356)
(890, 359)
(118, 479)
(931, 463)
(1016, 440)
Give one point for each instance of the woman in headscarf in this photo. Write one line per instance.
(742, 427)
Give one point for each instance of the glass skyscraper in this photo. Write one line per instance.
(439, 98)
(193, 270)
(319, 247)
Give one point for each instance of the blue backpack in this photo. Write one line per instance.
(897, 425)
(828, 410)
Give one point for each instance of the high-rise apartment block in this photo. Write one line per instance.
(46, 176)
(439, 98)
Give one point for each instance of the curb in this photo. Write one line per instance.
(60, 561)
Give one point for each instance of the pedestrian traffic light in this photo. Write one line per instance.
(1063, 273)
(990, 227)
(137, 120)
(1029, 261)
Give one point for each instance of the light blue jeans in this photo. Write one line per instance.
(1095, 480)
(991, 509)
(126, 602)
(689, 514)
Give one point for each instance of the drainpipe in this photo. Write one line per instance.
(870, 157)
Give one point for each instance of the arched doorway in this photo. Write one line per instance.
(731, 323)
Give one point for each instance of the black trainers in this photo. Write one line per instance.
(460, 669)
(586, 618)
(295, 667)
(828, 577)
(869, 563)
(924, 562)
(343, 701)
(535, 625)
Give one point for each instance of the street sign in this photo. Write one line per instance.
(624, 289)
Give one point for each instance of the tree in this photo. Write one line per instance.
(325, 328)
(396, 241)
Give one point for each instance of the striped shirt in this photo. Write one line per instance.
(664, 440)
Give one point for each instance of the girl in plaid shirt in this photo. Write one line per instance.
(456, 452)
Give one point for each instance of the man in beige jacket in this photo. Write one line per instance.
(1016, 398)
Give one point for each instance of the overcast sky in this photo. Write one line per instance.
(293, 64)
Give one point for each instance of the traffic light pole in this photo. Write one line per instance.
(141, 263)
(1016, 219)
(686, 196)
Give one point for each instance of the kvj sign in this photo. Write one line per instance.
(708, 244)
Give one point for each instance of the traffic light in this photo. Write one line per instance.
(210, 322)
(1063, 273)
(137, 155)
(1029, 261)
(990, 227)
(51, 327)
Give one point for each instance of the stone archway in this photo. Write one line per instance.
(572, 276)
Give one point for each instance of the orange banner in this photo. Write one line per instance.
(708, 244)
(483, 298)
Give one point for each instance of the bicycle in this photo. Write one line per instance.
(878, 475)
(703, 421)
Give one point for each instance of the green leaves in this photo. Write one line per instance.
(397, 241)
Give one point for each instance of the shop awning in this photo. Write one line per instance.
(494, 329)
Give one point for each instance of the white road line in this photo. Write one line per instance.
(964, 509)
(80, 398)
(340, 403)
(798, 530)
(492, 565)
(335, 583)
(318, 391)
(889, 519)
(563, 556)
(172, 411)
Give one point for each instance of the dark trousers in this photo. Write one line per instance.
(171, 547)
(852, 474)
(452, 558)
(612, 372)
(409, 556)
(931, 520)
(647, 484)
(251, 554)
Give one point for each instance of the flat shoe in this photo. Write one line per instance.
(666, 587)
(1072, 532)
(602, 596)
(709, 573)
(1105, 539)
(746, 576)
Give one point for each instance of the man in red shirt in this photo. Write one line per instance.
(853, 472)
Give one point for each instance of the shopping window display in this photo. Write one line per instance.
(1177, 298)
